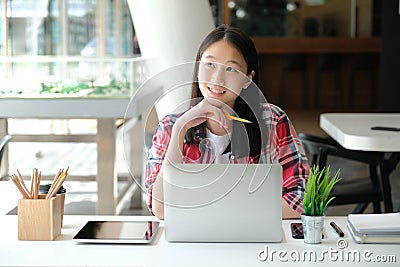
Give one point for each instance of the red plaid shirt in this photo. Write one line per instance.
(287, 151)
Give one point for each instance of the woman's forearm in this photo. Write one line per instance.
(157, 201)
(288, 212)
(175, 147)
(173, 155)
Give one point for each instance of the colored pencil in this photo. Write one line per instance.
(36, 176)
(14, 178)
(57, 183)
(236, 118)
(23, 184)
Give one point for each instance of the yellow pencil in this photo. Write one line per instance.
(236, 118)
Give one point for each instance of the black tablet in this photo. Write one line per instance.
(127, 232)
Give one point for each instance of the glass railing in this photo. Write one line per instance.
(54, 76)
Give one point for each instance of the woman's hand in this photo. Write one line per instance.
(204, 111)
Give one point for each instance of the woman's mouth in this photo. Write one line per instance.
(216, 92)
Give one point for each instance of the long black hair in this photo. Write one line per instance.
(248, 103)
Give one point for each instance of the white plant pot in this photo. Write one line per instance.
(312, 228)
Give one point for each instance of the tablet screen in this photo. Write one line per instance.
(117, 232)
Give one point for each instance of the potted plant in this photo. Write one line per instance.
(316, 199)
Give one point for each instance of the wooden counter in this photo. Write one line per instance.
(273, 52)
(316, 45)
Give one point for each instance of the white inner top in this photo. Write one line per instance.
(219, 143)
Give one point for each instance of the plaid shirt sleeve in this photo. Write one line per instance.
(156, 155)
(291, 156)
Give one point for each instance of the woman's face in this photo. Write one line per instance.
(222, 73)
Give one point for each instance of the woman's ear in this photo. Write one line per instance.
(249, 79)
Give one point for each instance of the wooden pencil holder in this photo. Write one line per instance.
(62, 200)
(40, 219)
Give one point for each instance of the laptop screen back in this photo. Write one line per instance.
(223, 202)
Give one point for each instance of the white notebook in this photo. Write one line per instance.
(386, 223)
(375, 228)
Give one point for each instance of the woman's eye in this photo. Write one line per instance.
(230, 69)
(209, 65)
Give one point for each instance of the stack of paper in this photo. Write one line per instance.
(374, 228)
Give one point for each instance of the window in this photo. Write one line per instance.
(76, 47)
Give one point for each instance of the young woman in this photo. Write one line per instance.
(225, 85)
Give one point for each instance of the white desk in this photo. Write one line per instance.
(65, 252)
(106, 112)
(353, 131)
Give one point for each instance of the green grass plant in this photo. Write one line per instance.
(318, 189)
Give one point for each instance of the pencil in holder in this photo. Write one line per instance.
(44, 189)
(39, 219)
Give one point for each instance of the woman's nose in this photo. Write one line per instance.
(218, 76)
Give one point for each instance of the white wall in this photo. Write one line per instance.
(170, 32)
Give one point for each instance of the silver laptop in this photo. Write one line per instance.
(223, 202)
